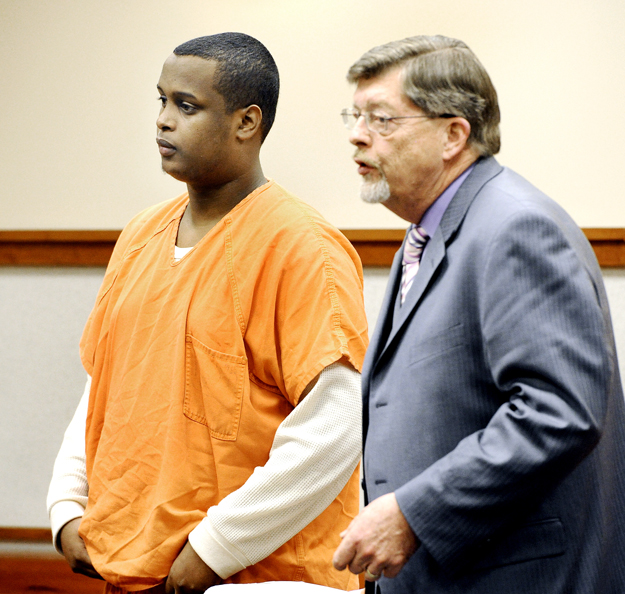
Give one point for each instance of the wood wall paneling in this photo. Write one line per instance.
(28, 564)
(609, 246)
(25, 535)
(376, 247)
(56, 248)
(24, 574)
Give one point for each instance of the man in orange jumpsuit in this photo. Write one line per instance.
(219, 433)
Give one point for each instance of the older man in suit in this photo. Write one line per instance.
(494, 421)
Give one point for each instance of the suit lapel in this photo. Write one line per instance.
(385, 319)
(378, 339)
(433, 255)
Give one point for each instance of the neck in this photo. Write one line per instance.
(207, 206)
(454, 169)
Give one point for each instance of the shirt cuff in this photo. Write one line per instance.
(61, 513)
(216, 552)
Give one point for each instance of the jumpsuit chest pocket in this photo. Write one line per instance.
(214, 386)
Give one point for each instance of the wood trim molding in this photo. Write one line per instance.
(56, 248)
(376, 247)
(609, 246)
(27, 574)
(30, 535)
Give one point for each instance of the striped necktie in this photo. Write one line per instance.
(413, 248)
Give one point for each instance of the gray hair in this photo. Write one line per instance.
(441, 76)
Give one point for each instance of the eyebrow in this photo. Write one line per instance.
(375, 105)
(179, 94)
(183, 94)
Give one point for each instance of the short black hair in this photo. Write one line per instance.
(246, 73)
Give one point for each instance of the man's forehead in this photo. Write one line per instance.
(190, 71)
(382, 91)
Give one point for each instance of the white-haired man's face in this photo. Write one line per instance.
(402, 166)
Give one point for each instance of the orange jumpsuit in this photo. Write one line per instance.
(195, 364)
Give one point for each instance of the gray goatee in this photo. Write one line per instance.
(375, 192)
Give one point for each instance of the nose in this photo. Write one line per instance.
(165, 121)
(360, 134)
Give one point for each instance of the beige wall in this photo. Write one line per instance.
(79, 102)
(77, 149)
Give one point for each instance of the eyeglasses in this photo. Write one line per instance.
(379, 123)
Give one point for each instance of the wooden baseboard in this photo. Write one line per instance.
(27, 570)
(376, 247)
(25, 575)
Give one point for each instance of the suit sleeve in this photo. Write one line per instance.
(546, 340)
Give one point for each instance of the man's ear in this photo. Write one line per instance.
(250, 120)
(458, 130)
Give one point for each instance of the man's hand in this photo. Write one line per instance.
(189, 574)
(74, 550)
(378, 540)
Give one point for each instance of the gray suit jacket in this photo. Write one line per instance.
(493, 406)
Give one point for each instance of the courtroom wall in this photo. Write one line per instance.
(79, 78)
(77, 149)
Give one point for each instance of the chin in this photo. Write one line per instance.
(173, 173)
(375, 192)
